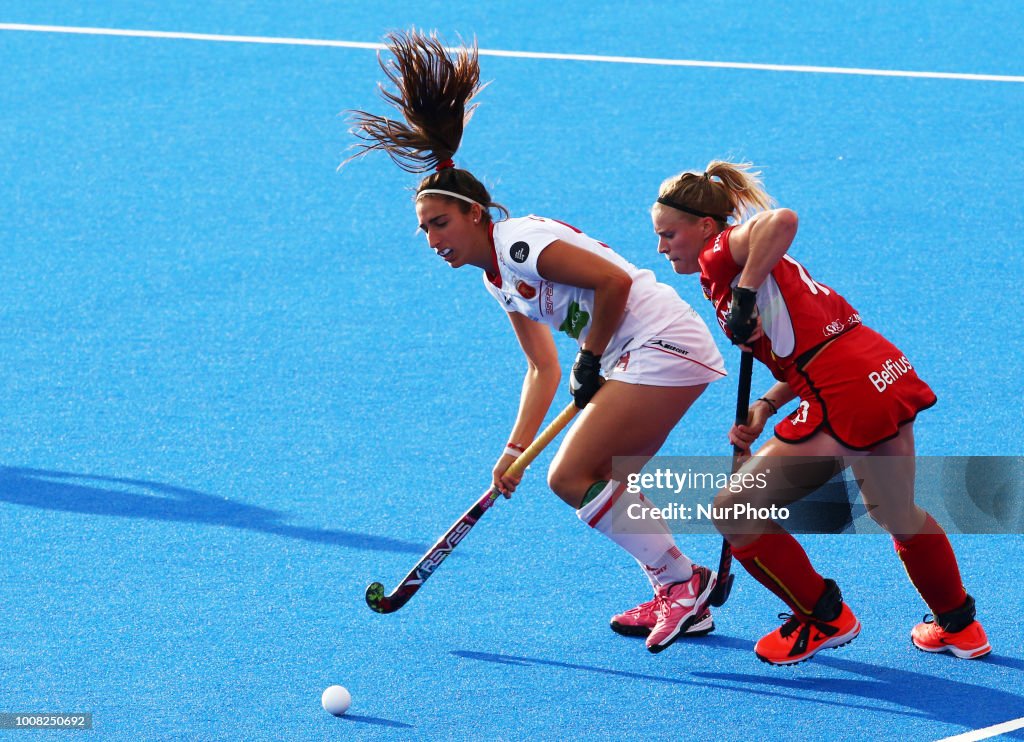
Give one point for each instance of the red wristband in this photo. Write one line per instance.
(513, 449)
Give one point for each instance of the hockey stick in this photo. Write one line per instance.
(375, 597)
(724, 585)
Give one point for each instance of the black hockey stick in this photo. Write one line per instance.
(375, 597)
(725, 579)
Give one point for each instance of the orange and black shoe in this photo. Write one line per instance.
(956, 632)
(832, 624)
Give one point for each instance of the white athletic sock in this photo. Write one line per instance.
(647, 539)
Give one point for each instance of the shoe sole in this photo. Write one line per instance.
(964, 654)
(833, 643)
(626, 630)
(701, 628)
(681, 629)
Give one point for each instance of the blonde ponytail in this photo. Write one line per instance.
(724, 190)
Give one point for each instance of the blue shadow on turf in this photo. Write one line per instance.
(533, 661)
(928, 695)
(1010, 662)
(376, 721)
(136, 498)
(923, 696)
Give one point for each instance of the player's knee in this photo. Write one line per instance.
(877, 514)
(564, 483)
(902, 520)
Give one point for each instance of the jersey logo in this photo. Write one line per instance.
(670, 347)
(890, 373)
(833, 328)
(718, 243)
(527, 291)
(519, 252)
(575, 321)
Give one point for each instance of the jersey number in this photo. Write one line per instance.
(813, 285)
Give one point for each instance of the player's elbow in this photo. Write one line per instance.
(619, 282)
(545, 371)
(785, 223)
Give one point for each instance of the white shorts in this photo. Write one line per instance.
(684, 354)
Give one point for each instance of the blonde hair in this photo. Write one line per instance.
(433, 91)
(724, 190)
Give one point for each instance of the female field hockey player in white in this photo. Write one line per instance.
(656, 354)
(858, 395)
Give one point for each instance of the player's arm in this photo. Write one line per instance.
(543, 375)
(758, 244)
(763, 408)
(574, 266)
(564, 263)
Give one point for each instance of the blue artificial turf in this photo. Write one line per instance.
(236, 387)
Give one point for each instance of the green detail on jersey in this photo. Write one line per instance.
(575, 321)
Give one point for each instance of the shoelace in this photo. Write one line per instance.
(641, 609)
(792, 624)
(664, 599)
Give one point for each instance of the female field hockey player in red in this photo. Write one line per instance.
(656, 354)
(858, 396)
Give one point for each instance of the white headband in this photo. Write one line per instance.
(436, 192)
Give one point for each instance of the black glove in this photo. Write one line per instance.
(585, 379)
(742, 316)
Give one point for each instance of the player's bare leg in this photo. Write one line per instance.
(633, 420)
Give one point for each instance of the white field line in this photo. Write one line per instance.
(133, 33)
(987, 732)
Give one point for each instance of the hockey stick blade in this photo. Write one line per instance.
(721, 592)
(375, 595)
(376, 599)
(381, 603)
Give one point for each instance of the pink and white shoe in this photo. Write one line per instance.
(640, 620)
(637, 621)
(679, 606)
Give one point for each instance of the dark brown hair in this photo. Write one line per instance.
(433, 90)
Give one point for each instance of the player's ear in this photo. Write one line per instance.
(476, 211)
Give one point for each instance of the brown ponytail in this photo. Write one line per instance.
(433, 90)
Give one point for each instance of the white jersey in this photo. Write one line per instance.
(518, 287)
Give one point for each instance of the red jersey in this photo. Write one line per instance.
(798, 314)
(861, 390)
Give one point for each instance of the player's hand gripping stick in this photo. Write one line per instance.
(742, 317)
(375, 597)
(585, 378)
